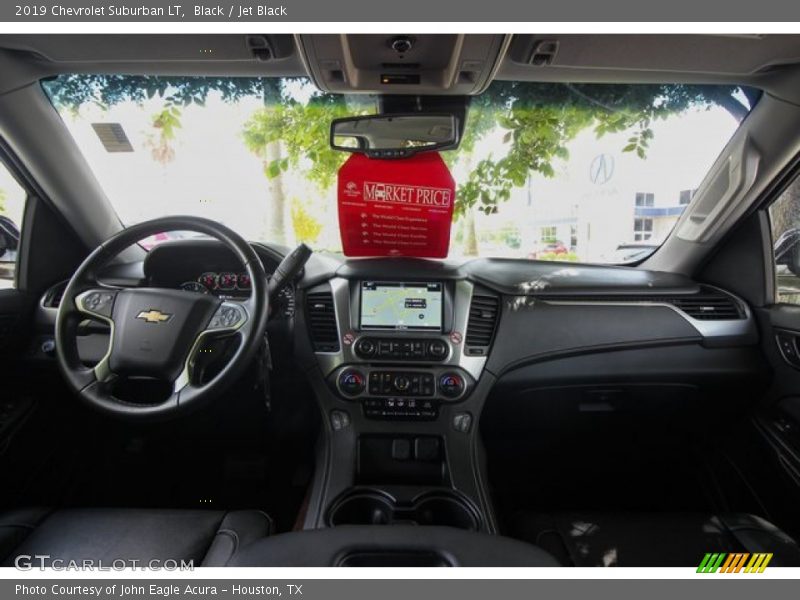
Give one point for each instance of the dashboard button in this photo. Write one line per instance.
(351, 382)
(451, 385)
(366, 348)
(401, 383)
(437, 349)
(462, 422)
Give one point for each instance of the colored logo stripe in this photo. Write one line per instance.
(758, 563)
(711, 563)
(734, 562)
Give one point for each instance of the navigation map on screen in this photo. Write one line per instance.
(394, 305)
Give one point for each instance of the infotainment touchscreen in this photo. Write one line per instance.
(395, 305)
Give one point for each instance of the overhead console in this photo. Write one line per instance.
(403, 64)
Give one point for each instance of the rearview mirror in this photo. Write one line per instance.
(395, 136)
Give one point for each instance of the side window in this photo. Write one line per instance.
(784, 216)
(12, 206)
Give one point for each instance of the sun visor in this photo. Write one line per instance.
(396, 207)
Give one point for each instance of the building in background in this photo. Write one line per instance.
(599, 200)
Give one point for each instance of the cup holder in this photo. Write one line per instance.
(448, 511)
(362, 509)
(373, 507)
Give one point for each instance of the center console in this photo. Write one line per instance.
(402, 355)
(400, 378)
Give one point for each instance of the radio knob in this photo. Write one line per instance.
(451, 385)
(351, 382)
(365, 348)
(437, 349)
(401, 383)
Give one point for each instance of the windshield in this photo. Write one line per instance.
(552, 171)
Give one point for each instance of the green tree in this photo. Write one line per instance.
(306, 227)
(540, 119)
(294, 134)
(166, 122)
(303, 129)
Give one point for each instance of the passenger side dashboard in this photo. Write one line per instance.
(502, 314)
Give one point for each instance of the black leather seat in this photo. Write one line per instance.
(206, 537)
(652, 540)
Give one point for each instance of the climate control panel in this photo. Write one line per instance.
(401, 383)
(405, 349)
(437, 383)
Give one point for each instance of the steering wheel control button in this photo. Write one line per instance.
(451, 385)
(99, 303)
(351, 382)
(228, 316)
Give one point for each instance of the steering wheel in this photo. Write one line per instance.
(157, 333)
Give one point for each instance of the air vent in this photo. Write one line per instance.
(708, 305)
(483, 315)
(322, 322)
(53, 296)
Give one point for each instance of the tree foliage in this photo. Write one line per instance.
(72, 91)
(166, 122)
(540, 119)
(306, 227)
(302, 129)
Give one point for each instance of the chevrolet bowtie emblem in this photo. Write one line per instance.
(154, 316)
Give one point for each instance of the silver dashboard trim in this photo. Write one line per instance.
(708, 329)
(346, 314)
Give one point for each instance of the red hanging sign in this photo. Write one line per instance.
(396, 207)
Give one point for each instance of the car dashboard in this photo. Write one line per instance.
(407, 358)
(445, 323)
(497, 316)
